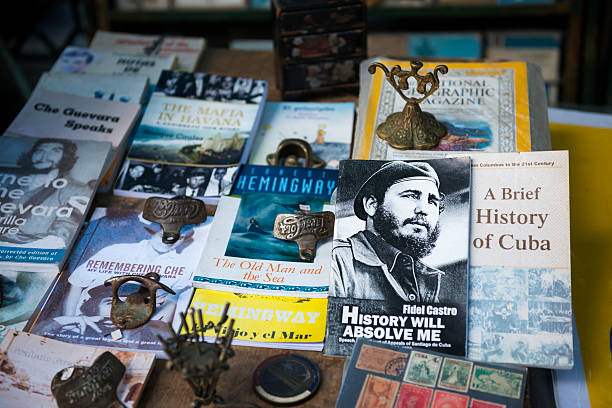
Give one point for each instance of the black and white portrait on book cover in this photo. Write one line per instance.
(400, 254)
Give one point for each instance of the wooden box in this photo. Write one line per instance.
(318, 45)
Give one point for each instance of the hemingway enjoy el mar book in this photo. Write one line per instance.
(46, 188)
(243, 255)
(399, 268)
(190, 147)
(120, 242)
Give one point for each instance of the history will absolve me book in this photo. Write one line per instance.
(400, 255)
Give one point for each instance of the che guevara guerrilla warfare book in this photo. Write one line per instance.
(120, 242)
(46, 188)
(399, 268)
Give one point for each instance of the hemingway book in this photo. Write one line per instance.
(390, 376)
(487, 107)
(29, 363)
(399, 267)
(189, 147)
(46, 189)
(520, 308)
(265, 321)
(120, 242)
(243, 255)
(327, 127)
(188, 50)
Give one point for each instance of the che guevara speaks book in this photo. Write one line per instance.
(399, 268)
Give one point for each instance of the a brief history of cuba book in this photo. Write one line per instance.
(386, 376)
(115, 243)
(484, 106)
(520, 308)
(399, 270)
(264, 321)
(46, 188)
(244, 254)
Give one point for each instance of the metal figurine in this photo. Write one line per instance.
(306, 228)
(201, 363)
(412, 128)
(95, 386)
(138, 306)
(174, 213)
(289, 151)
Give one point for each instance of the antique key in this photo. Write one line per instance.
(139, 306)
(306, 228)
(95, 386)
(174, 213)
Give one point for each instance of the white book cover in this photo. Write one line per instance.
(84, 60)
(188, 50)
(29, 363)
(327, 127)
(100, 86)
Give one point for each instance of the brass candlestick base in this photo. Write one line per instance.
(412, 128)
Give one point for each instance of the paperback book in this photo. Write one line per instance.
(265, 321)
(30, 362)
(120, 242)
(520, 308)
(46, 187)
(389, 376)
(327, 127)
(100, 86)
(487, 107)
(188, 147)
(188, 50)
(78, 60)
(243, 255)
(399, 268)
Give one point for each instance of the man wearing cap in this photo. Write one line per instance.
(400, 204)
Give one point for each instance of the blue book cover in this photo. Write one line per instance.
(445, 45)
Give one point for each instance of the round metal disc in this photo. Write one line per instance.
(286, 379)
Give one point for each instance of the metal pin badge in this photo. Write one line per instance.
(290, 151)
(174, 213)
(306, 228)
(138, 306)
(95, 386)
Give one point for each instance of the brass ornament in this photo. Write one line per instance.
(412, 128)
(306, 228)
(85, 387)
(138, 306)
(289, 151)
(173, 214)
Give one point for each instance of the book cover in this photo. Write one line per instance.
(391, 376)
(30, 362)
(265, 321)
(327, 127)
(46, 189)
(488, 107)
(520, 308)
(100, 86)
(188, 50)
(242, 254)
(445, 45)
(21, 292)
(400, 255)
(120, 242)
(188, 147)
(78, 60)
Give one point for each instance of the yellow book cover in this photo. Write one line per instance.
(484, 106)
(265, 321)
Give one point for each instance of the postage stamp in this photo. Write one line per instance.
(423, 368)
(381, 360)
(455, 374)
(445, 399)
(474, 403)
(413, 396)
(498, 382)
(377, 392)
